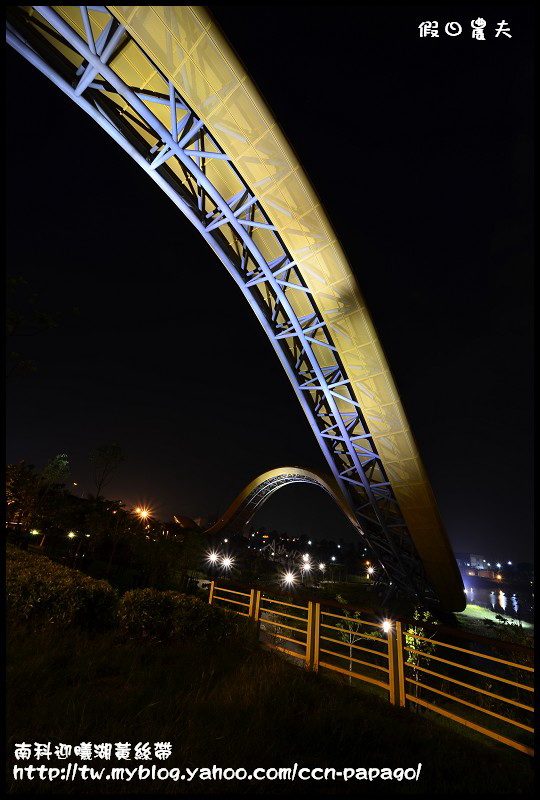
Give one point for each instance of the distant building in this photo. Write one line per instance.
(486, 573)
(470, 560)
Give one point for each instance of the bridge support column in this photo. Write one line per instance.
(313, 636)
(396, 673)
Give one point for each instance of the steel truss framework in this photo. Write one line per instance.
(176, 157)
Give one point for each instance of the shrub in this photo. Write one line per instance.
(41, 592)
(164, 615)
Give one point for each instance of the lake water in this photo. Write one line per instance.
(519, 604)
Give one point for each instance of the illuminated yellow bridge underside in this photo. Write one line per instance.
(188, 48)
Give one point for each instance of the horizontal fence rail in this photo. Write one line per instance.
(483, 684)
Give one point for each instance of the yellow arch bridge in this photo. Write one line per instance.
(166, 85)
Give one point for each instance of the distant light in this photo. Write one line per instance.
(71, 535)
(322, 567)
(75, 484)
(510, 563)
(386, 625)
(333, 558)
(309, 542)
(225, 540)
(306, 566)
(499, 577)
(34, 532)
(370, 570)
(87, 535)
(213, 557)
(339, 545)
(498, 565)
(227, 562)
(306, 556)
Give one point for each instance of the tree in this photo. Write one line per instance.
(105, 460)
(26, 490)
(423, 647)
(32, 497)
(351, 630)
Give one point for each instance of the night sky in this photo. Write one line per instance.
(421, 153)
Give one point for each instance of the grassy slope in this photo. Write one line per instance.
(236, 705)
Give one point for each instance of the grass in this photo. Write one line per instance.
(472, 619)
(231, 704)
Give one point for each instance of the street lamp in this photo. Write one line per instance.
(289, 578)
(143, 513)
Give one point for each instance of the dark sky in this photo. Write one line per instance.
(421, 152)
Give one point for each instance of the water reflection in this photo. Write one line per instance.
(500, 602)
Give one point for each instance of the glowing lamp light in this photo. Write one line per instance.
(289, 579)
(333, 558)
(71, 535)
(370, 570)
(143, 513)
(322, 567)
(386, 625)
(227, 562)
(212, 557)
(225, 540)
(306, 556)
(35, 532)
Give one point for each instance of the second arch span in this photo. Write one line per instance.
(261, 488)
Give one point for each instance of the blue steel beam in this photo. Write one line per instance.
(357, 469)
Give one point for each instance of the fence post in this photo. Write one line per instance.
(396, 678)
(313, 636)
(251, 603)
(211, 594)
(257, 607)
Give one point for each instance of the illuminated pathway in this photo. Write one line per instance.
(166, 85)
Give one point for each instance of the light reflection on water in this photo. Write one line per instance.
(499, 602)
